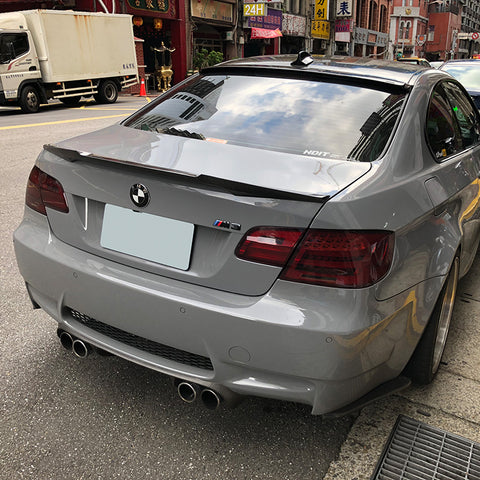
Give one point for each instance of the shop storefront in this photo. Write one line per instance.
(261, 38)
(343, 36)
(212, 30)
(294, 30)
(157, 23)
(369, 42)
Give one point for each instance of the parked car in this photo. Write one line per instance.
(289, 227)
(436, 64)
(468, 73)
(415, 60)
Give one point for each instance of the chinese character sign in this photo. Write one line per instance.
(321, 29)
(272, 20)
(321, 10)
(153, 5)
(344, 8)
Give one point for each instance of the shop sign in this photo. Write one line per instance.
(294, 25)
(265, 33)
(342, 37)
(262, 1)
(254, 9)
(321, 29)
(344, 8)
(345, 25)
(272, 20)
(212, 10)
(361, 35)
(150, 5)
(321, 10)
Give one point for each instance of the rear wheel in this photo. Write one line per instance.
(427, 356)
(107, 92)
(29, 100)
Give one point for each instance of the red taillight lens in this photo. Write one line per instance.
(44, 191)
(351, 259)
(269, 245)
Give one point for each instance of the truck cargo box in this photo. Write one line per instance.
(73, 45)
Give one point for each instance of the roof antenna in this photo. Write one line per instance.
(303, 59)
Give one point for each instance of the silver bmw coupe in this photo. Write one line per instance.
(288, 227)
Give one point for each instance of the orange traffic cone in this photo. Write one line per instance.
(143, 92)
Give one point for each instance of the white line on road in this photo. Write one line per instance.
(11, 127)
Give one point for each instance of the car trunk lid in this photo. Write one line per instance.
(203, 197)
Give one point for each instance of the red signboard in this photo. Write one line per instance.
(265, 33)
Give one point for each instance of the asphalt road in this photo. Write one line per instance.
(103, 417)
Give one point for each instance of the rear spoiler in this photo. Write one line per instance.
(235, 188)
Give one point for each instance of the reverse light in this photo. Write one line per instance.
(268, 245)
(44, 191)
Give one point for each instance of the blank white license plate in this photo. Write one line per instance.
(158, 239)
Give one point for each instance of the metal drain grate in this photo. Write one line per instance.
(144, 344)
(416, 451)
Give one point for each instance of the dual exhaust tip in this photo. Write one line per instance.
(189, 392)
(80, 348)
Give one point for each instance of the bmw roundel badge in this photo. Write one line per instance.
(140, 195)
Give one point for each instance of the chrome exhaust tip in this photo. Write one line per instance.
(65, 339)
(81, 349)
(211, 399)
(188, 392)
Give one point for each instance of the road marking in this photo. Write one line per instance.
(11, 127)
(108, 109)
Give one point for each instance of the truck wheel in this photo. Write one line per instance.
(426, 358)
(29, 100)
(107, 92)
(70, 101)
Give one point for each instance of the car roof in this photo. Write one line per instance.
(462, 61)
(383, 71)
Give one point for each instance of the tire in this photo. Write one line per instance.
(426, 358)
(70, 101)
(107, 92)
(29, 100)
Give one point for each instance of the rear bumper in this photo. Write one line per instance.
(318, 346)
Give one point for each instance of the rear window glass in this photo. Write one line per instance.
(303, 117)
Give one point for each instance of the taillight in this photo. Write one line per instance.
(351, 259)
(269, 245)
(44, 191)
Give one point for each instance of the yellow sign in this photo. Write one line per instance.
(254, 9)
(321, 29)
(321, 10)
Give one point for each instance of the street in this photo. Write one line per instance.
(103, 417)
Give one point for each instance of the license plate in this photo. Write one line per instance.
(158, 239)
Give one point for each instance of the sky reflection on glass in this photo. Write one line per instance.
(281, 114)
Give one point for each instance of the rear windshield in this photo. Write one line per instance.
(303, 117)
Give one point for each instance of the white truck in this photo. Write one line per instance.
(63, 54)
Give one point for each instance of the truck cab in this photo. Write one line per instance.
(19, 66)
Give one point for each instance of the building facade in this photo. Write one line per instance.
(183, 35)
(444, 27)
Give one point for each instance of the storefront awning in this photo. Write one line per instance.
(265, 33)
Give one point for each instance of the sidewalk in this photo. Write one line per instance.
(451, 402)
